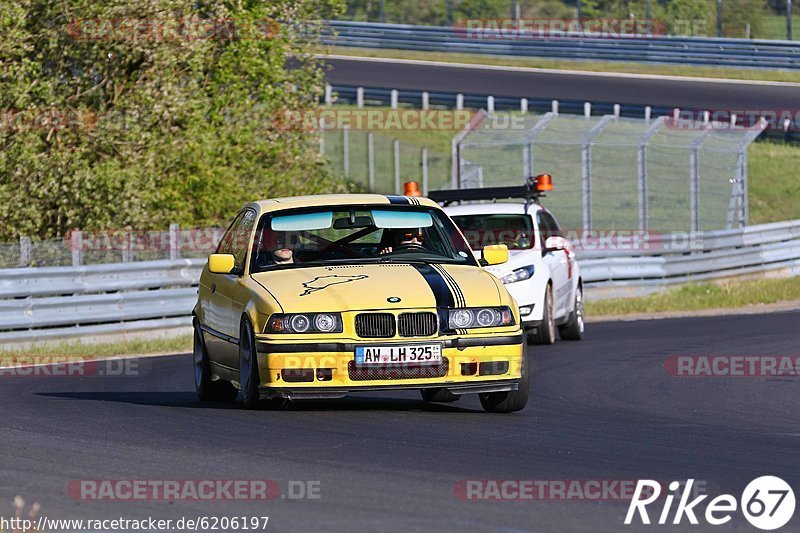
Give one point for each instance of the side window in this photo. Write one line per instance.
(226, 242)
(237, 237)
(548, 227)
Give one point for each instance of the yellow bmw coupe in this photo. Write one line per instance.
(320, 296)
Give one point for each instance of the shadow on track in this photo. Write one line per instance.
(188, 400)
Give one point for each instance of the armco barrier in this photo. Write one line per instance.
(680, 50)
(80, 302)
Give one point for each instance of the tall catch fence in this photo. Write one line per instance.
(658, 175)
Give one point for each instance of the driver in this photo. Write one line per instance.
(407, 238)
(276, 244)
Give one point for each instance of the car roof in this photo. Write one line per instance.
(321, 200)
(487, 208)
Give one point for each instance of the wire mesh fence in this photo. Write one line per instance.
(111, 246)
(659, 175)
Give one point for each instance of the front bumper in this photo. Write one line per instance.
(470, 364)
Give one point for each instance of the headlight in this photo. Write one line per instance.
(518, 275)
(480, 317)
(304, 323)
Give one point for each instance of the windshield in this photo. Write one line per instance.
(515, 231)
(357, 234)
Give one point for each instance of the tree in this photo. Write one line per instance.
(144, 112)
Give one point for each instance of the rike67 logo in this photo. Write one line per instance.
(767, 503)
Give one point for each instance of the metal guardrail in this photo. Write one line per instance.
(681, 50)
(78, 302)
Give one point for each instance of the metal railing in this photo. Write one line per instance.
(79, 302)
(680, 50)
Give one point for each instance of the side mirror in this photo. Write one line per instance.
(555, 244)
(495, 254)
(220, 263)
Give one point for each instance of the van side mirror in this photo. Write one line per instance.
(554, 244)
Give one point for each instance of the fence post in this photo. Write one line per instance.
(642, 170)
(554, 107)
(24, 251)
(346, 150)
(523, 105)
(322, 137)
(127, 251)
(426, 99)
(174, 244)
(459, 102)
(328, 94)
(586, 165)
(394, 95)
(371, 160)
(76, 242)
(490, 104)
(745, 192)
(396, 147)
(694, 180)
(424, 171)
(360, 97)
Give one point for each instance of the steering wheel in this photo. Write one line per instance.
(410, 247)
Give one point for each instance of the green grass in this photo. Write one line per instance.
(775, 27)
(58, 351)
(692, 297)
(774, 184)
(591, 66)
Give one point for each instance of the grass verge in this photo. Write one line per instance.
(58, 351)
(698, 296)
(588, 66)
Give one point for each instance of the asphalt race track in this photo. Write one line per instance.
(564, 86)
(602, 408)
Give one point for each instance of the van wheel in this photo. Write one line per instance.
(546, 332)
(573, 330)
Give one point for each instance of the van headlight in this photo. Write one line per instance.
(480, 317)
(519, 274)
(304, 323)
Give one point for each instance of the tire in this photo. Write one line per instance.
(509, 401)
(249, 378)
(438, 395)
(546, 332)
(206, 389)
(573, 330)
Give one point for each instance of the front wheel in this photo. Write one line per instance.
(573, 330)
(509, 401)
(249, 378)
(546, 332)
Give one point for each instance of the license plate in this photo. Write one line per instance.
(413, 354)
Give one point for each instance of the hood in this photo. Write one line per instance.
(367, 287)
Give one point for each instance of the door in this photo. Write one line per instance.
(558, 262)
(226, 292)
